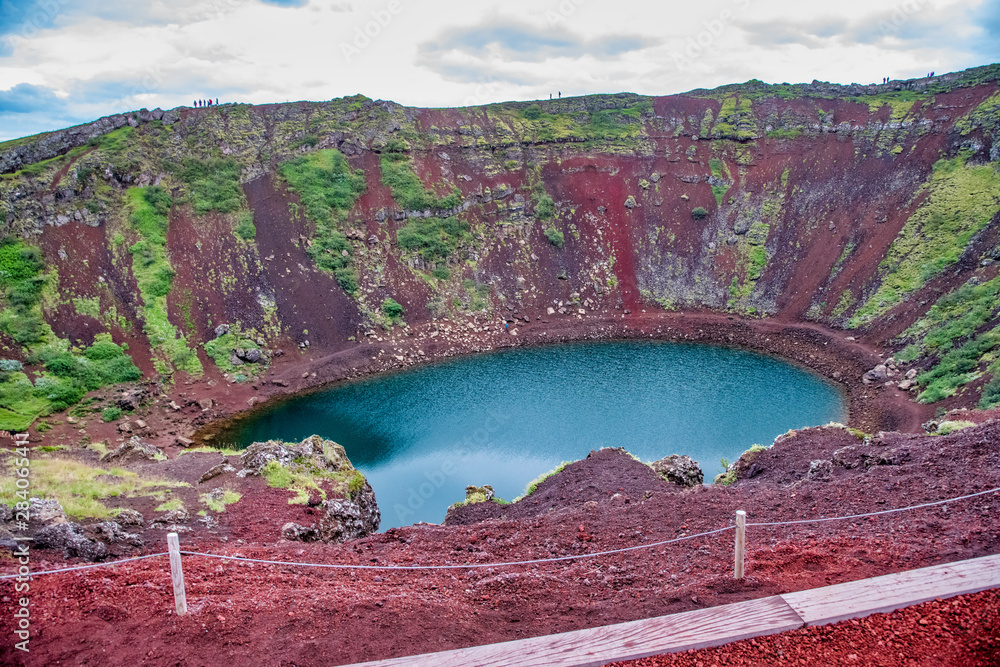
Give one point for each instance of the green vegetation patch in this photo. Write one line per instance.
(392, 310)
(735, 120)
(534, 484)
(68, 374)
(409, 191)
(720, 174)
(149, 209)
(958, 367)
(213, 184)
(434, 239)
(961, 200)
(328, 189)
(985, 116)
(555, 237)
(82, 490)
(217, 501)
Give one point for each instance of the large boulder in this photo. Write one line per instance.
(878, 374)
(46, 512)
(325, 454)
(343, 519)
(71, 539)
(349, 518)
(680, 469)
(131, 451)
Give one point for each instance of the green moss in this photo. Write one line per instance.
(409, 191)
(434, 239)
(213, 184)
(555, 237)
(245, 229)
(986, 116)
(961, 199)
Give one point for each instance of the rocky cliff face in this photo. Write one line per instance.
(309, 226)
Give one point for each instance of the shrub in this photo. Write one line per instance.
(555, 237)
(111, 414)
(699, 213)
(441, 273)
(407, 188)
(544, 207)
(392, 309)
(245, 229)
(347, 279)
(991, 394)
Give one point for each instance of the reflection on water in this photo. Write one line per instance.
(504, 418)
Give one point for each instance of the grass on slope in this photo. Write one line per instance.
(949, 331)
(328, 189)
(961, 200)
(149, 209)
(68, 373)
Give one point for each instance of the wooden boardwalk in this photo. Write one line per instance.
(719, 625)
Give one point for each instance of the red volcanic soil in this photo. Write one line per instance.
(297, 616)
(962, 631)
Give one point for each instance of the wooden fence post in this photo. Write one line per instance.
(741, 536)
(176, 573)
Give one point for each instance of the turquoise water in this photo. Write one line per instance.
(421, 436)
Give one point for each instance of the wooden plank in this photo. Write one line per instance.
(624, 641)
(893, 591)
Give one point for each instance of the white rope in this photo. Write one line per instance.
(83, 567)
(337, 566)
(598, 554)
(862, 516)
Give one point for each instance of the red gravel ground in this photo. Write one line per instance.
(284, 615)
(959, 632)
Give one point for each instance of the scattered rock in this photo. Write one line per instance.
(630, 202)
(820, 471)
(878, 374)
(71, 539)
(294, 532)
(215, 471)
(132, 398)
(221, 330)
(110, 532)
(46, 511)
(205, 404)
(184, 442)
(176, 516)
(128, 517)
(679, 469)
(133, 450)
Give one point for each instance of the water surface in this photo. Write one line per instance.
(422, 435)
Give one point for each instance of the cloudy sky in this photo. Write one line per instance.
(64, 62)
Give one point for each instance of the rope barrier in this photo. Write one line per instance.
(862, 516)
(536, 561)
(338, 566)
(85, 567)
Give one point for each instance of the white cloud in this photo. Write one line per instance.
(426, 53)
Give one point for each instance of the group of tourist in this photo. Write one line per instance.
(206, 103)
